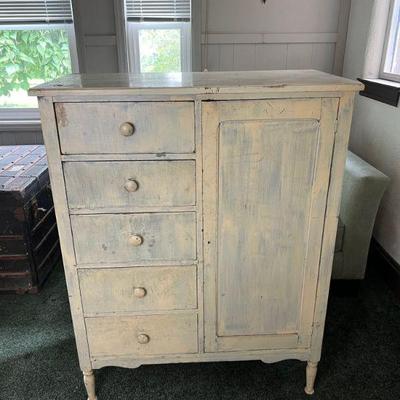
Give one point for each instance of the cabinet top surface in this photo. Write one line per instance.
(196, 83)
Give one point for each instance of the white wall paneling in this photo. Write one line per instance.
(120, 35)
(98, 30)
(196, 35)
(281, 34)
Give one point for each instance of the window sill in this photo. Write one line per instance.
(387, 92)
(20, 125)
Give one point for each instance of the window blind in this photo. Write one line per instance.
(35, 11)
(158, 10)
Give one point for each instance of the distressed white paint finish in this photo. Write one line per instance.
(96, 127)
(276, 160)
(241, 83)
(119, 336)
(64, 228)
(112, 290)
(107, 238)
(159, 183)
(263, 180)
(265, 193)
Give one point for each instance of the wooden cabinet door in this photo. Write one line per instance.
(266, 177)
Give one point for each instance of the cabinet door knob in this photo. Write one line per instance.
(127, 129)
(143, 338)
(131, 185)
(135, 240)
(139, 292)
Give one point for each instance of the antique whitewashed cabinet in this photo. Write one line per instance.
(197, 212)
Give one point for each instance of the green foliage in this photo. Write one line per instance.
(27, 55)
(160, 50)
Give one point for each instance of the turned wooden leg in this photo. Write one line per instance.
(311, 373)
(88, 378)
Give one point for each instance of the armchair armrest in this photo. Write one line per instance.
(363, 188)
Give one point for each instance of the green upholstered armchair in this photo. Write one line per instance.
(363, 188)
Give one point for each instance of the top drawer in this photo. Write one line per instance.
(147, 127)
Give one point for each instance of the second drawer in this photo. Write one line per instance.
(122, 184)
(138, 289)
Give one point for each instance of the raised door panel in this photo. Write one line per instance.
(266, 176)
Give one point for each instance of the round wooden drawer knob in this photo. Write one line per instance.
(143, 339)
(135, 240)
(127, 129)
(139, 292)
(131, 185)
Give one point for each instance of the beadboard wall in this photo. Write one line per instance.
(281, 34)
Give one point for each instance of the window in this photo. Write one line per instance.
(159, 35)
(390, 68)
(37, 43)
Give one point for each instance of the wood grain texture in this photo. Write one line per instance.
(112, 290)
(90, 384)
(106, 238)
(289, 81)
(168, 334)
(266, 356)
(265, 189)
(91, 128)
(311, 373)
(265, 178)
(342, 134)
(159, 184)
(64, 228)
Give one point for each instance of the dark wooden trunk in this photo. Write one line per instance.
(29, 246)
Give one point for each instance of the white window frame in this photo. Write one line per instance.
(133, 42)
(26, 116)
(392, 33)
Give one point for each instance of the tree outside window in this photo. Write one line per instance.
(28, 57)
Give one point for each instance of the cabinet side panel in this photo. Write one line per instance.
(50, 136)
(331, 219)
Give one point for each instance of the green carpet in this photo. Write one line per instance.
(361, 356)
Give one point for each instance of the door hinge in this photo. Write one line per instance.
(335, 125)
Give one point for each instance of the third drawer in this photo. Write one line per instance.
(129, 238)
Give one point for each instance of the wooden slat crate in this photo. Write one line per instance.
(29, 245)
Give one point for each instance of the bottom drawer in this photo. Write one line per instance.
(142, 335)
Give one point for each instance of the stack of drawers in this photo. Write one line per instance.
(134, 225)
